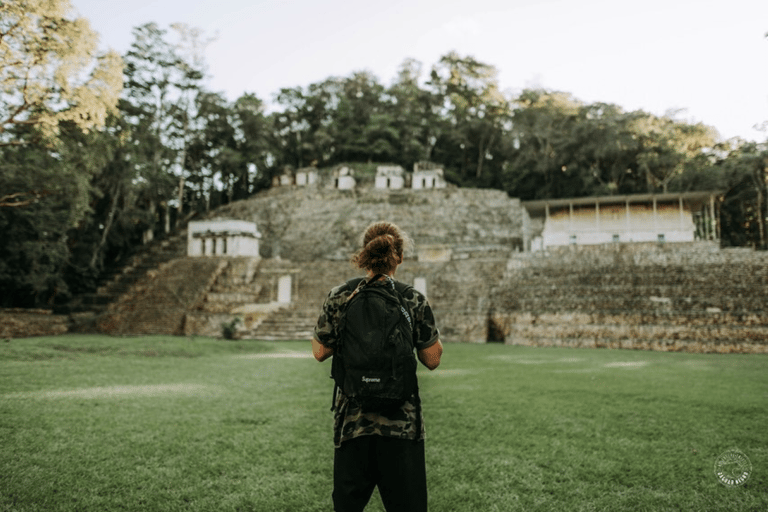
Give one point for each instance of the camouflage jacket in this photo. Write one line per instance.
(349, 420)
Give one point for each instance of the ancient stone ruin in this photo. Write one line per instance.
(390, 177)
(493, 268)
(427, 176)
(223, 237)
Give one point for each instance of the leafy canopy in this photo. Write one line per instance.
(50, 72)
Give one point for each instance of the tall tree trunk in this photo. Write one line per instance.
(107, 227)
(481, 154)
(180, 208)
(208, 197)
(759, 178)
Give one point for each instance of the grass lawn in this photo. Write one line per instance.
(92, 423)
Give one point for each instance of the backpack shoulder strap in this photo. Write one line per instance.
(400, 290)
(353, 283)
(401, 287)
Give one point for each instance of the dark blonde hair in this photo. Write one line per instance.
(383, 246)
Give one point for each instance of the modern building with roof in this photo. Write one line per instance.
(662, 218)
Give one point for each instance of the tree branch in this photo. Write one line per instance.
(13, 143)
(19, 199)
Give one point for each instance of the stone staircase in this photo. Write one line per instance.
(117, 280)
(461, 315)
(295, 322)
(717, 303)
(159, 302)
(245, 293)
(234, 287)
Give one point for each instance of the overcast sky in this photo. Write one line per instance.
(708, 58)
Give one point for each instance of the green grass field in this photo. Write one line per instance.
(91, 423)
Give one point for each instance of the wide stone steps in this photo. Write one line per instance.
(159, 304)
(695, 338)
(665, 303)
(292, 323)
(115, 282)
(312, 224)
(609, 279)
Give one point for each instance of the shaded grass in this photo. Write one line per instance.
(160, 423)
(68, 347)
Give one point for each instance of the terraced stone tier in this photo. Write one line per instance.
(710, 301)
(159, 302)
(311, 224)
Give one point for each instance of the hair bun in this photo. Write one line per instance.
(382, 248)
(382, 244)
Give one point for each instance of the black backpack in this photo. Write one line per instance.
(373, 361)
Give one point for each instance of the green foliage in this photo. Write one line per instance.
(37, 235)
(92, 423)
(229, 329)
(100, 185)
(744, 208)
(50, 72)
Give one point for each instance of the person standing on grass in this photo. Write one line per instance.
(378, 447)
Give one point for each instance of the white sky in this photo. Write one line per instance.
(707, 57)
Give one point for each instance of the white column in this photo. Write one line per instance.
(597, 215)
(628, 228)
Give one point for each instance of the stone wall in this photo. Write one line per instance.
(24, 323)
(310, 224)
(690, 297)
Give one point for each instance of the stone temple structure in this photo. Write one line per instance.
(495, 269)
(390, 177)
(427, 176)
(223, 237)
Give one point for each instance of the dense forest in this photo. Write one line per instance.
(101, 152)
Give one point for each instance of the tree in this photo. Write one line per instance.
(37, 239)
(158, 105)
(50, 71)
(295, 127)
(212, 155)
(55, 93)
(473, 105)
(415, 111)
(667, 145)
(362, 121)
(540, 147)
(745, 204)
(253, 142)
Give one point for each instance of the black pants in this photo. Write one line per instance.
(396, 466)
